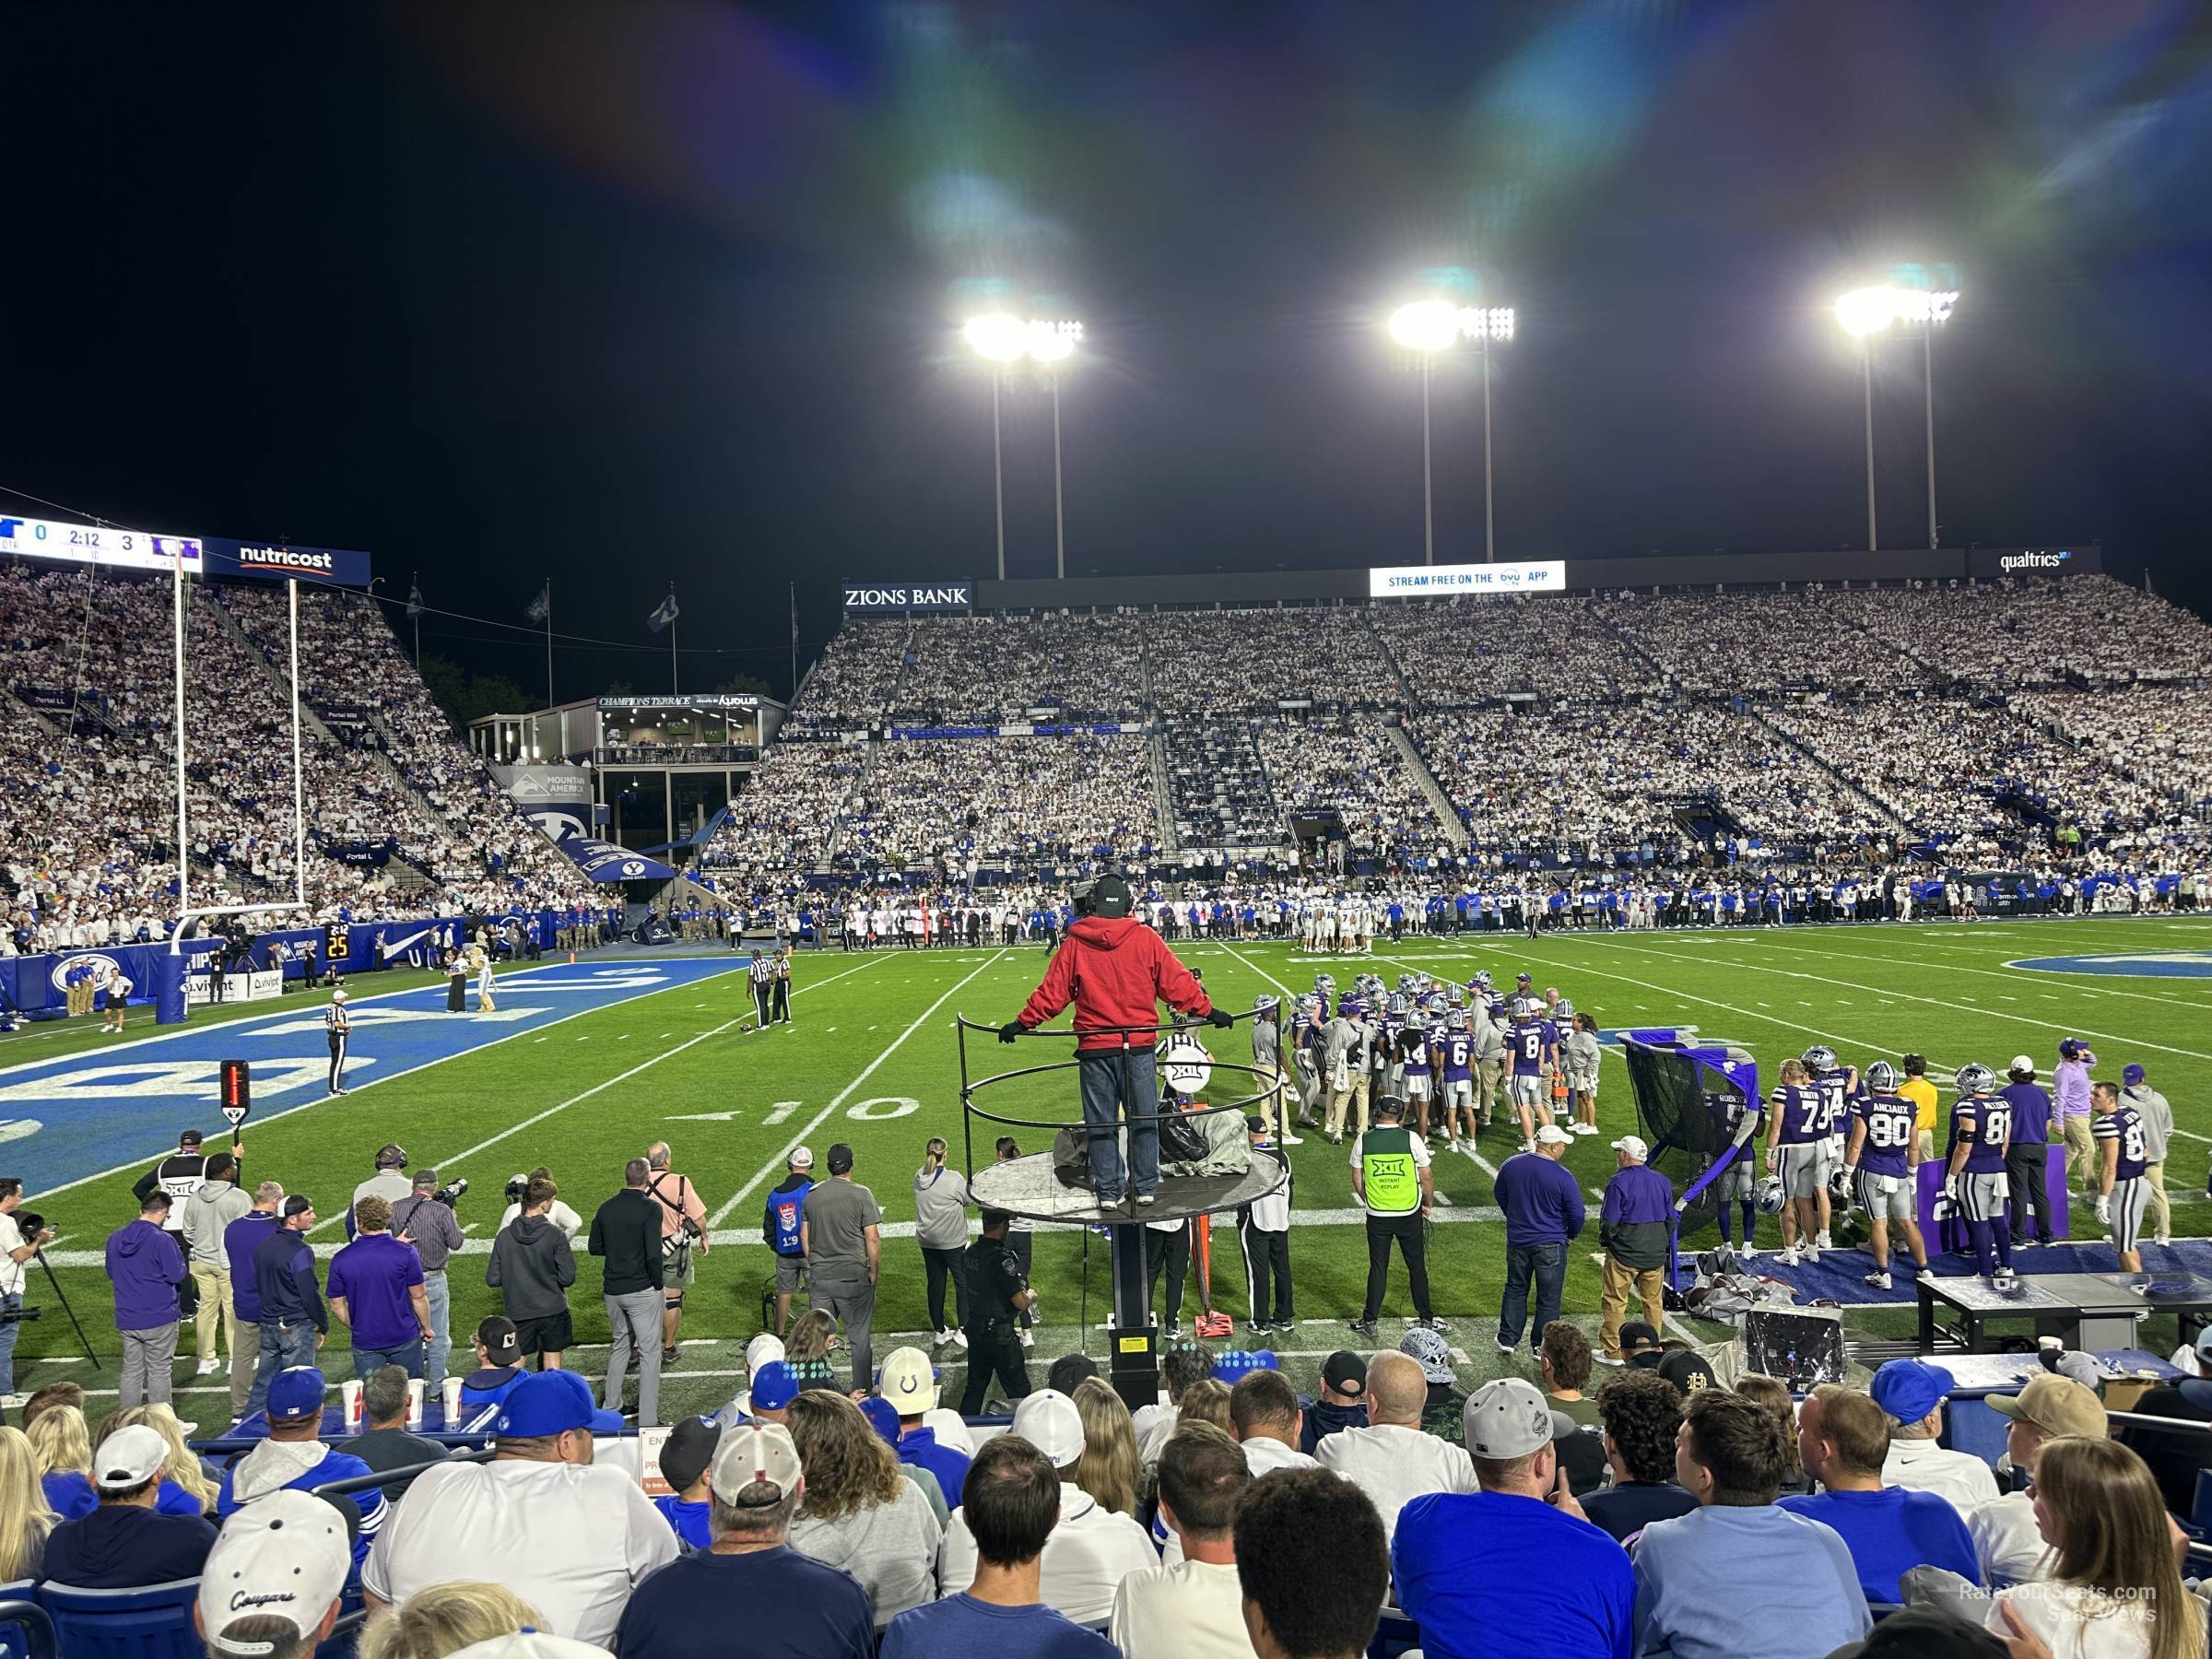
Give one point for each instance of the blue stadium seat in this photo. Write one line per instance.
(1396, 1634)
(154, 1622)
(14, 1644)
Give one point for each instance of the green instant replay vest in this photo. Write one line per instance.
(1392, 1178)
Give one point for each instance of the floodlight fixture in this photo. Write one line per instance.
(1867, 312)
(1001, 338)
(1427, 327)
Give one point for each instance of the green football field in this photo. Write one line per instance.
(872, 1060)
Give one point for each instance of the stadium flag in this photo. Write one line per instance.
(663, 614)
(414, 598)
(541, 607)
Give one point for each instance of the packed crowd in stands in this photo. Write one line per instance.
(1217, 785)
(1466, 651)
(1250, 661)
(1732, 644)
(1356, 770)
(87, 803)
(851, 683)
(2018, 633)
(992, 668)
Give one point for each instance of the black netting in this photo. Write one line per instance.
(1689, 1111)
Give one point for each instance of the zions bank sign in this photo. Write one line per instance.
(866, 596)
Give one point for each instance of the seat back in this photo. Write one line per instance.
(15, 1639)
(152, 1622)
(1395, 1634)
(2200, 1513)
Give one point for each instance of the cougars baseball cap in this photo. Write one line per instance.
(688, 1450)
(774, 1386)
(548, 1402)
(286, 1555)
(1909, 1389)
(296, 1393)
(1507, 1418)
(909, 1381)
(1434, 1352)
(1346, 1373)
(1551, 1135)
(1049, 1421)
(2056, 1406)
(299, 1204)
(2131, 1075)
(1633, 1145)
(883, 1417)
(801, 1159)
(129, 1457)
(754, 1466)
(503, 1346)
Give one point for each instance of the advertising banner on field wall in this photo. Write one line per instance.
(1442, 582)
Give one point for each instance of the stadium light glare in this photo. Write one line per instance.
(1427, 327)
(1864, 312)
(1001, 338)
(997, 335)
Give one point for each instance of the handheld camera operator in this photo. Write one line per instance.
(1115, 969)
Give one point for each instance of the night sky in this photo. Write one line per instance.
(631, 293)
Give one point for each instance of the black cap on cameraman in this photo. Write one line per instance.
(1110, 896)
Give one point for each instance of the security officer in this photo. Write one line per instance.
(998, 1293)
(1392, 1180)
(337, 1025)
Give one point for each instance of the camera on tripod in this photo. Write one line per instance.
(17, 1315)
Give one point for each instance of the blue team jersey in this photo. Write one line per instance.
(1798, 1107)
(1834, 1088)
(1890, 1135)
(1526, 1041)
(2124, 1125)
(1987, 1122)
(1458, 1051)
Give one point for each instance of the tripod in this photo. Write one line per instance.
(61, 1296)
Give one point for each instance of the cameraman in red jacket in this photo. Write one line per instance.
(1115, 970)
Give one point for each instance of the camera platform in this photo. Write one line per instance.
(1032, 1188)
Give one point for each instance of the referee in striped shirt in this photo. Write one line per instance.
(337, 1024)
(763, 978)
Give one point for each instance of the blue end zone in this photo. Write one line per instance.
(2141, 964)
(67, 1120)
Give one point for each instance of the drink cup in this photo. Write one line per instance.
(350, 1395)
(414, 1402)
(452, 1402)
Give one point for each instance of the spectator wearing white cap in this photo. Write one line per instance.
(1192, 1606)
(1091, 1549)
(571, 1539)
(1019, 1506)
(792, 1607)
(1390, 1459)
(1544, 1214)
(126, 1542)
(1912, 1392)
(1632, 1228)
(272, 1584)
(1463, 1563)
(910, 1383)
(2010, 1546)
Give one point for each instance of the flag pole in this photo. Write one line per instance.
(549, 645)
(415, 604)
(795, 640)
(673, 688)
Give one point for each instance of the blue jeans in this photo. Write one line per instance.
(1546, 1263)
(10, 1303)
(283, 1346)
(407, 1356)
(442, 1338)
(1105, 1092)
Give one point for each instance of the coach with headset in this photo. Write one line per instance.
(1116, 971)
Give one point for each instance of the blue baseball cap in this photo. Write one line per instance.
(553, 1402)
(2131, 1075)
(774, 1386)
(296, 1393)
(883, 1417)
(1909, 1389)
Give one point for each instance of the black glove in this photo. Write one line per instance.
(1221, 1019)
(1011, 1029)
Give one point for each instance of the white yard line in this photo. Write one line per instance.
(2011, 975)
(821, 1117)
(444, 1164)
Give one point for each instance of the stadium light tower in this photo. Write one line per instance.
(1867, 312)
(1002, 340)
(1426, 327)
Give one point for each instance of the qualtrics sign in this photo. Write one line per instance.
(1985, 564)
